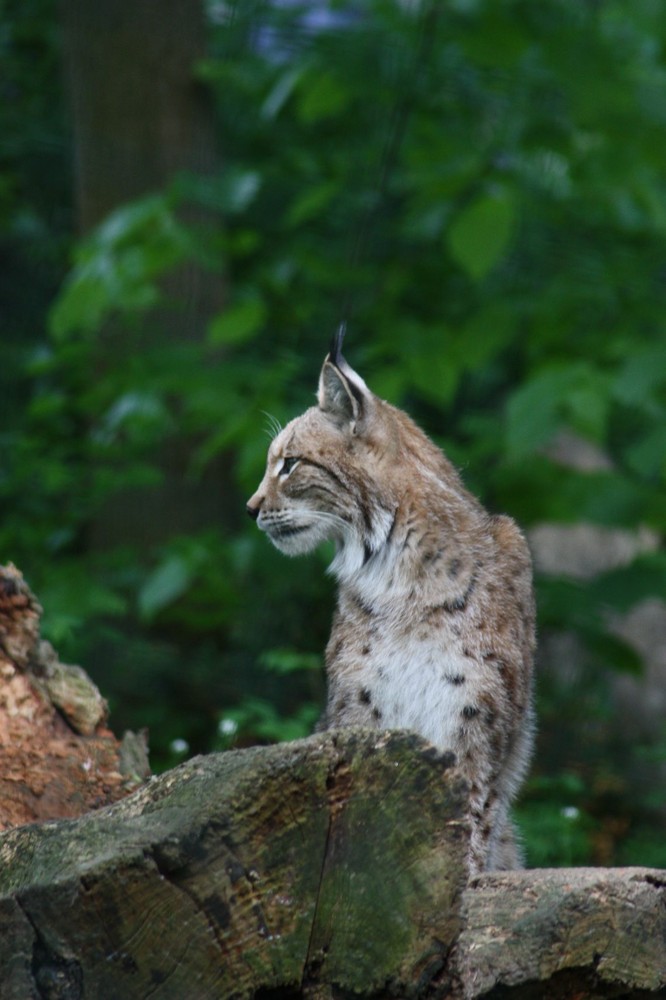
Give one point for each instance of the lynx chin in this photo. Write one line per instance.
(434, 625)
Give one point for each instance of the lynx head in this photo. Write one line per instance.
(326, 473)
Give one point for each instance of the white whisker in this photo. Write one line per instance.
(327, 517)
(274, 425)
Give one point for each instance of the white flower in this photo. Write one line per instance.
(227, 727)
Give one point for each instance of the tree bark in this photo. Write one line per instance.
(138, 114)
(564, 933)
(57, 756)
(140, 118)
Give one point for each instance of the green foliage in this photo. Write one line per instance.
(117, 267)
(483, 182)
(479, 236)
(552, 819)
(260, 720)
(35, 201)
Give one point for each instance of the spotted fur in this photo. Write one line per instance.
(434, 625)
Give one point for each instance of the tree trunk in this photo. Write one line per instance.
(140, 118)
(138, 114)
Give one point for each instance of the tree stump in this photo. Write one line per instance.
(57, 756)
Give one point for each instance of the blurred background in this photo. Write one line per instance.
(192, 195)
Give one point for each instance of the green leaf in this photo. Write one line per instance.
(289, 661)
(166, 584)
(260, 720)
(231, 191)
(142, 413)
(80, 305)
(489, 330)
(568, 604)
(647, 456)
(311, 203)
(565, 602)
(640, 375)
(501, 42)
(533, 413)
(72, 596)
(238, 323)
(280, 94)
(480, 234)
(125, 222)
(559, 394)
(613, 652)
(624, 587)
(535, 489)
(431, 362)
(118, 266)
(324, 96)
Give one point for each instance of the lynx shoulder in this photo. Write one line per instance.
(434, 625)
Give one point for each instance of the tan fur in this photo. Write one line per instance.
(434, 626)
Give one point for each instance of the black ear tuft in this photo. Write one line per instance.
(342, 394)
(335, 350)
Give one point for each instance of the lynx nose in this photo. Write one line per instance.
(253, 507)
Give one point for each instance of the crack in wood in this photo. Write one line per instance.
(55, 977)
(310, 964)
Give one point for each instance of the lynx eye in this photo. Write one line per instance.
(287, 465)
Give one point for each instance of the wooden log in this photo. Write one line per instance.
(325, 869)
(564, 933)
(330, 863)
(331, 867)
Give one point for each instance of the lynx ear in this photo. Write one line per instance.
(342, 393)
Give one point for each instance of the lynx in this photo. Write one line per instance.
(434, 626)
